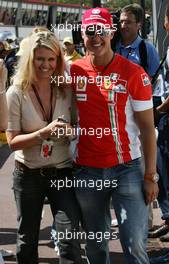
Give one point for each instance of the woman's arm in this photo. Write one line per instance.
(55, 129)
(19, 139)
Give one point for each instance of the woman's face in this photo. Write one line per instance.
(45, 62)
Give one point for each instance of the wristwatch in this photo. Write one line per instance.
(154, 177)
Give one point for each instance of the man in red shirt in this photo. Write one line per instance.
(115, 106)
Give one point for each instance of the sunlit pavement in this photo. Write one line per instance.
(46, 247)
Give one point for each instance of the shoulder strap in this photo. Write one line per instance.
(167, 60)
(143, 55)
(155, 76)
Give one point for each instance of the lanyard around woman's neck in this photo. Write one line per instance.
(45, 116)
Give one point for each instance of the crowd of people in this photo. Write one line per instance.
(52, 127)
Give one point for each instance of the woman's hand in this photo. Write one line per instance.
(56, 130)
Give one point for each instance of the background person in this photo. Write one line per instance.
(134, 48)
(163, 150)
(163, 145)
(3, 121)
(70, 53)
(131, 44)
(8, 53)
(124, 104)
(35, 104)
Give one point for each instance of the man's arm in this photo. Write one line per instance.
(148, 140)
(164, 107)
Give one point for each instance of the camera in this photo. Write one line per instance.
(117, 35)
(62, 120)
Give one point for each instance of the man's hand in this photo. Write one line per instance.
(150, 190)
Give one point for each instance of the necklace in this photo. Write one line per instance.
(104, 69)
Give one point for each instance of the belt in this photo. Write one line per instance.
(44, 171)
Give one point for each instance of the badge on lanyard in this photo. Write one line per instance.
(46, 148)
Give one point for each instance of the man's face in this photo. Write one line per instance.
(69, 47)
(128, 26)
(166, 24)
(97, 39)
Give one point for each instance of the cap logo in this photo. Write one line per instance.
(96, 11)
(96, 16)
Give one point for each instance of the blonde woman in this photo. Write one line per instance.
(42, 158)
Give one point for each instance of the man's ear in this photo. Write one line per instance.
(112, 34)
(82, 34)
(139, 25)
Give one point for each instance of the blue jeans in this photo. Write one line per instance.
(30, 189)
(163, 171)
(163, 165)
(126, 191)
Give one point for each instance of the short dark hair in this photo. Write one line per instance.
(167, 12)
(136, 10)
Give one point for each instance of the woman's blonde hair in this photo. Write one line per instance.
(25, 72)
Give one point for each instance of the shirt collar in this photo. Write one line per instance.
(133, 45)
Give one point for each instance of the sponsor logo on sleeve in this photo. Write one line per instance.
(81, 84)
(145, 79)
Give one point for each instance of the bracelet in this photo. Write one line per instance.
(3, 91)
(154, 177)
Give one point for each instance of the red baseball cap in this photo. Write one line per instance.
(96, 16)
